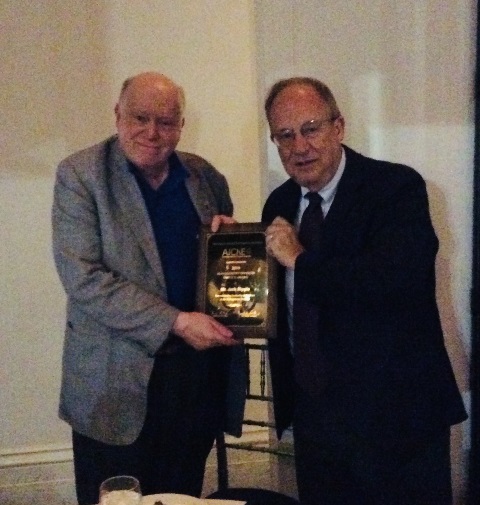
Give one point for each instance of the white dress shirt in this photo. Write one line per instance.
(328, 194)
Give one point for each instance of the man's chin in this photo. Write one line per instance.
(305, 180)
(148, 164)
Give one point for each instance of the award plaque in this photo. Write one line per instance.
(236, 279)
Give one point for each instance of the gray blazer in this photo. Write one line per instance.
(117, 314)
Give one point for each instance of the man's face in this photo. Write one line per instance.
(311, 159)
(149, 122)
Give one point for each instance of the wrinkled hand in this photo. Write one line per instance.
(220, 219)
(201, 331)
(282, 242)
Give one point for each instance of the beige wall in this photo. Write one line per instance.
(403, 75)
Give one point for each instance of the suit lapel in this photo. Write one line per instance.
(200, 194)
(290, 202)
(132, 206)
(198, 197)
(347, 192)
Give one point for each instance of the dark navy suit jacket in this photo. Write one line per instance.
(389, 379)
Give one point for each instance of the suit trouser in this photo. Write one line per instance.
(183, 416)
(336, 467)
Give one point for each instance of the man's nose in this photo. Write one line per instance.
(152, 129)
(300, 143)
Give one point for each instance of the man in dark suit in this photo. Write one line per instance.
(147, 381)
(368, 386)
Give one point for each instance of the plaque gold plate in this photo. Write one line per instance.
(237, 279)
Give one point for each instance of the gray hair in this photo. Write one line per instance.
(321, 88)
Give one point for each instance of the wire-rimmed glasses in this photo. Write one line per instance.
(310, 130)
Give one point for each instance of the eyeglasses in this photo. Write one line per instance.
(162, 124)
(310, 130)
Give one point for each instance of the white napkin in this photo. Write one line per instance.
(181, 499)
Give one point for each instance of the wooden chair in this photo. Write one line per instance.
(256, 391)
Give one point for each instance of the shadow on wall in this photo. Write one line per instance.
(57, 88)
(452, 328)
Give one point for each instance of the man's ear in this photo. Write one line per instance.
(117, 112)
(339, 126)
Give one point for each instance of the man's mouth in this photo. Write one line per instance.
(150, 147)
(304, 163)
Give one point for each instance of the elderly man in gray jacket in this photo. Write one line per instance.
(147, 381)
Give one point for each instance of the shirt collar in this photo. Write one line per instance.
(328, 192)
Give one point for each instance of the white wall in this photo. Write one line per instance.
(403, 75)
